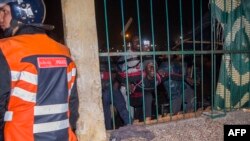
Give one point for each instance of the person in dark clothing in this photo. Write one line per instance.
(119, 104)
(172, 82)
(38, 93)
(4, 90)
(107, 96)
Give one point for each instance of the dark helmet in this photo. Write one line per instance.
(27, 11)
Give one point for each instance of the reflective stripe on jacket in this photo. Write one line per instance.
(42, 77)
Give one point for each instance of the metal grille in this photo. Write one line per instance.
(210, 38)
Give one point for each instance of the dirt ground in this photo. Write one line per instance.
(202, 128)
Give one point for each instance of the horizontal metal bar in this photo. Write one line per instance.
(175, 52)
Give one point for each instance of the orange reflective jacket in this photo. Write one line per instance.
(42, 77)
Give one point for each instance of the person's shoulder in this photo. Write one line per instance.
(56, 44)
(62, 46)
(4, 40)
(7, 41)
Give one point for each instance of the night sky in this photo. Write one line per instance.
(159, 20)
(54, 17)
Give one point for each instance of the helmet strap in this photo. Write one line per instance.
(8, 32)
(14, 25)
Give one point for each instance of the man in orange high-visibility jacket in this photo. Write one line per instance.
(39, 100)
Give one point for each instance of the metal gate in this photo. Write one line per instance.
(200, 55)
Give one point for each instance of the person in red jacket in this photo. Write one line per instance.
(38, 94)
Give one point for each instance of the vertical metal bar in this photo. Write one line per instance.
(125, 48)
(139, 30)
(182, 55)
(249, 79)
(202, 57)
(169, 59)
(212, 59)
(231, 68)
(153, 42)
(225, 73)
(214, 63)
(108, 47)
(240, 95)
(194, 57)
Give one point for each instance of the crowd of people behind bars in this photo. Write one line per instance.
(135, 79)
